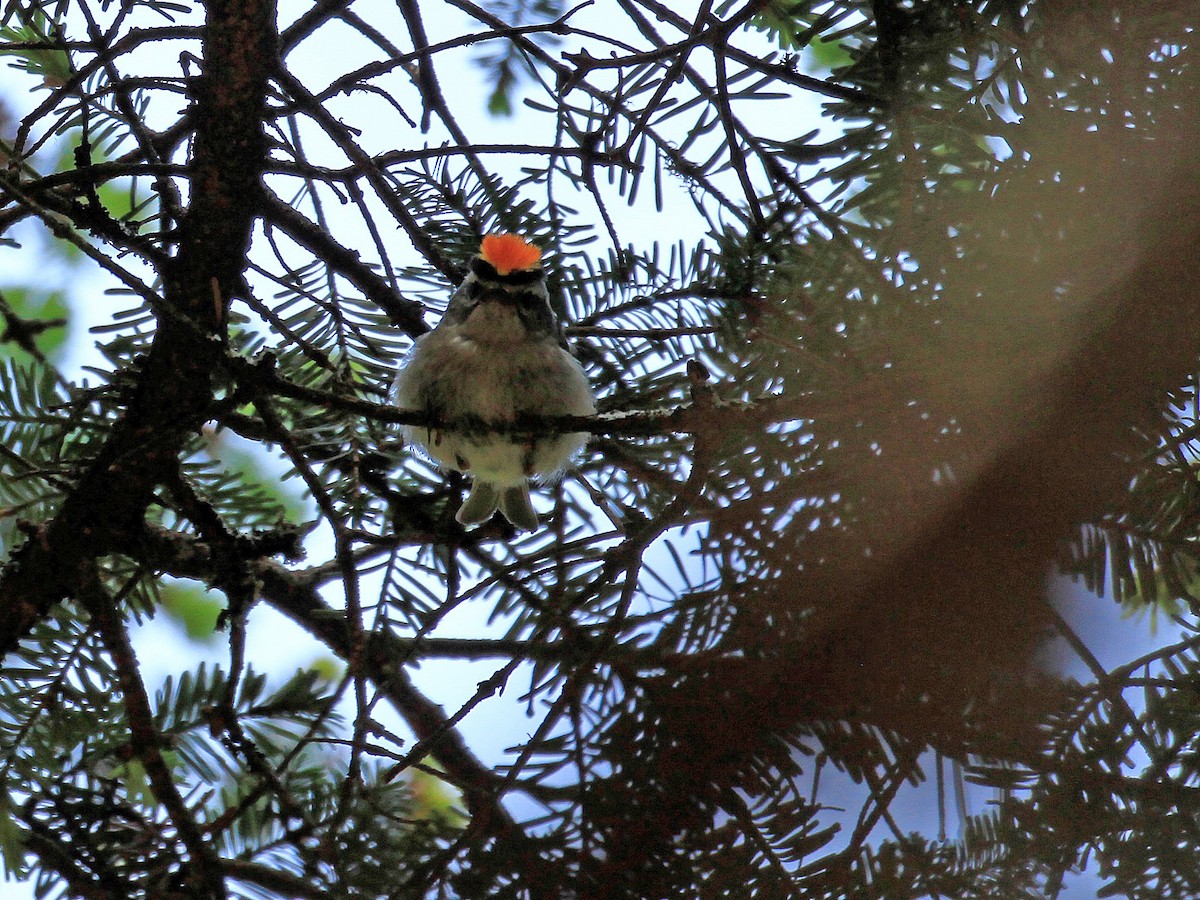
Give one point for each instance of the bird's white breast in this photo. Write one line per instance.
(486, 369)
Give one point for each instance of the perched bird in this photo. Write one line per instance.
(497, 354)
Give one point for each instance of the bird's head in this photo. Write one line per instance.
(505, 290)
(508, 254)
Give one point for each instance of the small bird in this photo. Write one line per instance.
(497, 354)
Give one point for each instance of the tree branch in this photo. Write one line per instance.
(173, 390)
(145, 739)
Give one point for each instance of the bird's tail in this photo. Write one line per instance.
(485, 498)
(517, 507)
(480, 503)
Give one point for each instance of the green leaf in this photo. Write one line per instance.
(53, 65)
(194, 609)
(12, 840)
(827, 54)
(783, 24)
(38, 305)
(328, 669)
(137, 782)
(499, 103)
(434, 798)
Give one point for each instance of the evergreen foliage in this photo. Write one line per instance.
(873, 381)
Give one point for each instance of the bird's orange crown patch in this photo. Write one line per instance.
(508, 253)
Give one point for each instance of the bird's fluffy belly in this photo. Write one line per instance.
(499, 460)
(457, 377)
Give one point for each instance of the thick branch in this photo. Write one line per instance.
(173, 389)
